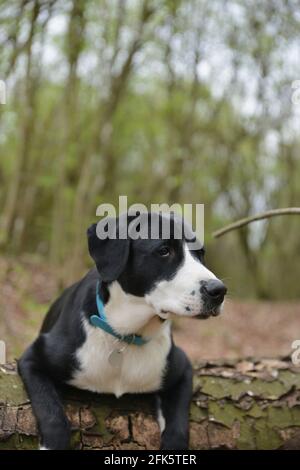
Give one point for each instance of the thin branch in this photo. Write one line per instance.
(248, 220)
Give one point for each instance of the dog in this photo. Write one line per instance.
(110, 332)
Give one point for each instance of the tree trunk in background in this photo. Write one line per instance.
(245, 404)
(74, 44)
(10, 213)
(182, 126)
(34, 165)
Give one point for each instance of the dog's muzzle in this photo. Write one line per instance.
(212, 293)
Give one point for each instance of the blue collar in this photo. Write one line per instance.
(101, 321)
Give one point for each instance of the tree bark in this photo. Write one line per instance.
(245, 404)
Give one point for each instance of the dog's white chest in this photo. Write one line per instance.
(139, 370)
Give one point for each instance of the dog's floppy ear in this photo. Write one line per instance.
(109, 254)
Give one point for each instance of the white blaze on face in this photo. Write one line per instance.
(181, 294)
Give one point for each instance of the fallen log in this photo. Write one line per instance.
(245, 404)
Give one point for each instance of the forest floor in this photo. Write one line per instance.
(245, 328)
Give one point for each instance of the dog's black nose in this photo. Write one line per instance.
(214, 289)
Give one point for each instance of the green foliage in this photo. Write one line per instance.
(162, 101)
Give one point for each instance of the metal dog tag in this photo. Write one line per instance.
(115, 358)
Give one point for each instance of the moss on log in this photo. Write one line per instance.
(246, 404)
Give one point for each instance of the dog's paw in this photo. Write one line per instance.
(174, 441)
(55, 443)
(56, 437)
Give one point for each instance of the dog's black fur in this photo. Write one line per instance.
(51, 360)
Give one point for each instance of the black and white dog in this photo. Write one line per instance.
(109, 332)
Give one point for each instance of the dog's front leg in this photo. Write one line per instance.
(173, 408)
(52, 422)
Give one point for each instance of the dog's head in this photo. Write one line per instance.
(162, 269)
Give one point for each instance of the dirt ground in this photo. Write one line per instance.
(245, 328)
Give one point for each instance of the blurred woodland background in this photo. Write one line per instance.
(163, 101)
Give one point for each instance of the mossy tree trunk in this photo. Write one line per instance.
(246, 404)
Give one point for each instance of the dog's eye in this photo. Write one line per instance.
(164, 251)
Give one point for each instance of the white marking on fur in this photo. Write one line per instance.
(141, 369)
(127, 313)
(181, 295)
(161, 420)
